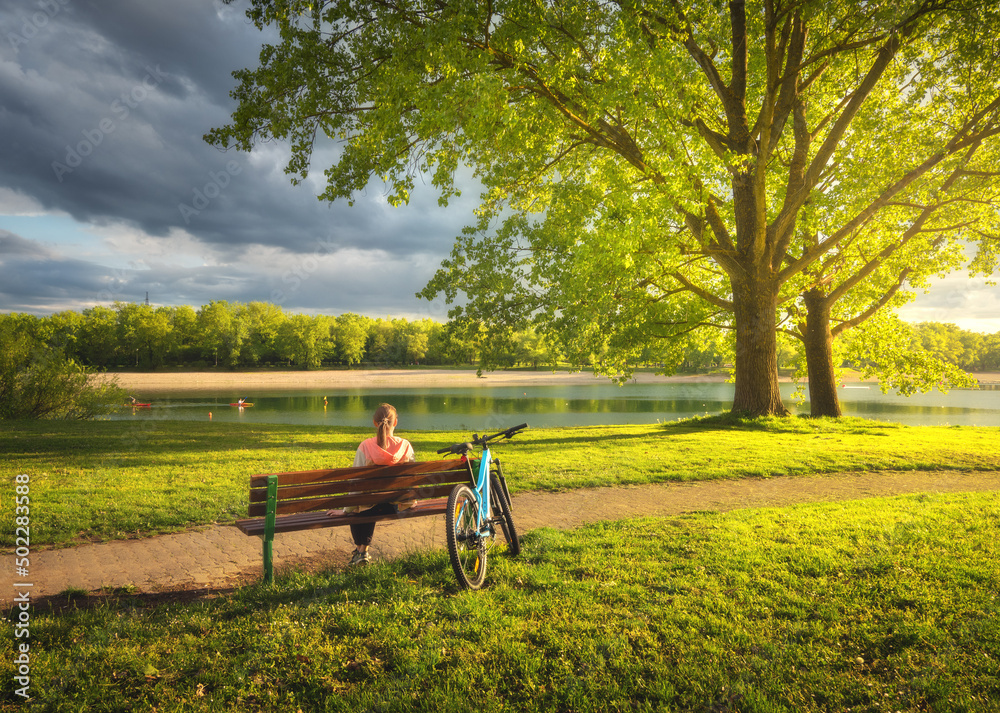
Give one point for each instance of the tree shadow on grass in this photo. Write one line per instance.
(802, 423)
(792, 425)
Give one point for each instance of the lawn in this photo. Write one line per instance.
(885, 604)
(114, 479)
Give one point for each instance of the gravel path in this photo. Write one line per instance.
(221, 556)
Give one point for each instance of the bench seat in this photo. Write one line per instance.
(314, 520)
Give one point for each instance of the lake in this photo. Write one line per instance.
(484, 408)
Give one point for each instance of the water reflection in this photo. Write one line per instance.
(484, 408)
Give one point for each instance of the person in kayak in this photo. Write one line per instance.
(384, 448)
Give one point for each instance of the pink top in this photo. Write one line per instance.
(397, 450)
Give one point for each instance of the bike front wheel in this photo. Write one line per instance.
(466, 546)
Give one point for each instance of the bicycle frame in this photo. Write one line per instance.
(481, 487)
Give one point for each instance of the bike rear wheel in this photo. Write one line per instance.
(500, 504)
(466, 547)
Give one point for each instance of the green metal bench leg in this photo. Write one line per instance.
(272, 504)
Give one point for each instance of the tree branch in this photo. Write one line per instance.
(875, 307)
(699, 56)
(962, 140)
(704, 294)
(738, 22)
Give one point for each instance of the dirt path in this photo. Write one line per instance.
(220, 557)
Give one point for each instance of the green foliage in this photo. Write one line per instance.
(888, 349)
(38, 381)
(969, 350)
(304, 340)
(351, 333)
(265, 322)
(235, 335)
(876, 604)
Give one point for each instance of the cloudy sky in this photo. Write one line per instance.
(107, 190)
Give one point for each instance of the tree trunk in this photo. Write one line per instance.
(823, 399)
(757, 392)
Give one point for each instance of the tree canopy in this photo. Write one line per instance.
(652, 168)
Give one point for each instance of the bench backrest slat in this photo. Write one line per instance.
(361, 500)
(360, 472)
(259, 495)
(305, 491)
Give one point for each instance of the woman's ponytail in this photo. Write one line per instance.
(385, 419)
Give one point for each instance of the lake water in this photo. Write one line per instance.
(483, 409)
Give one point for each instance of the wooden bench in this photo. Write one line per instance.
(285, 502)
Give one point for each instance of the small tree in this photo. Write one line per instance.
(38, 381)
(97, 343)
(223, 330)
(351, 334)
(303, 340)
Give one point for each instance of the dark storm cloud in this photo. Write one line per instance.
(13, 246)
(33, 277)
(203, 40)
(104, 105)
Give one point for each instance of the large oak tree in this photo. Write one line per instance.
(648, 167)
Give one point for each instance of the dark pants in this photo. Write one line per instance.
(362, 533)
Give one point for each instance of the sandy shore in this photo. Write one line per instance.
(372, 378)
(392, 378)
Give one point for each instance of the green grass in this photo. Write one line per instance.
(114, 479)
(873, 605)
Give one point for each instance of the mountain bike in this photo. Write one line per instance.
(477, 510)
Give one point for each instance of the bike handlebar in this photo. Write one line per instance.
(463, 448)
(509, 433)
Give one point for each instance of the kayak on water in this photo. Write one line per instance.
(241, 405)
(140, 405)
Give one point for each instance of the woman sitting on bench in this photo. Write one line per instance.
(383, 448)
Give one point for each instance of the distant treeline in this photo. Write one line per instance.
(255, 334)
(238, 335)
(970, 351)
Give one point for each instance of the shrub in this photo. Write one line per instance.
(39, 381)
